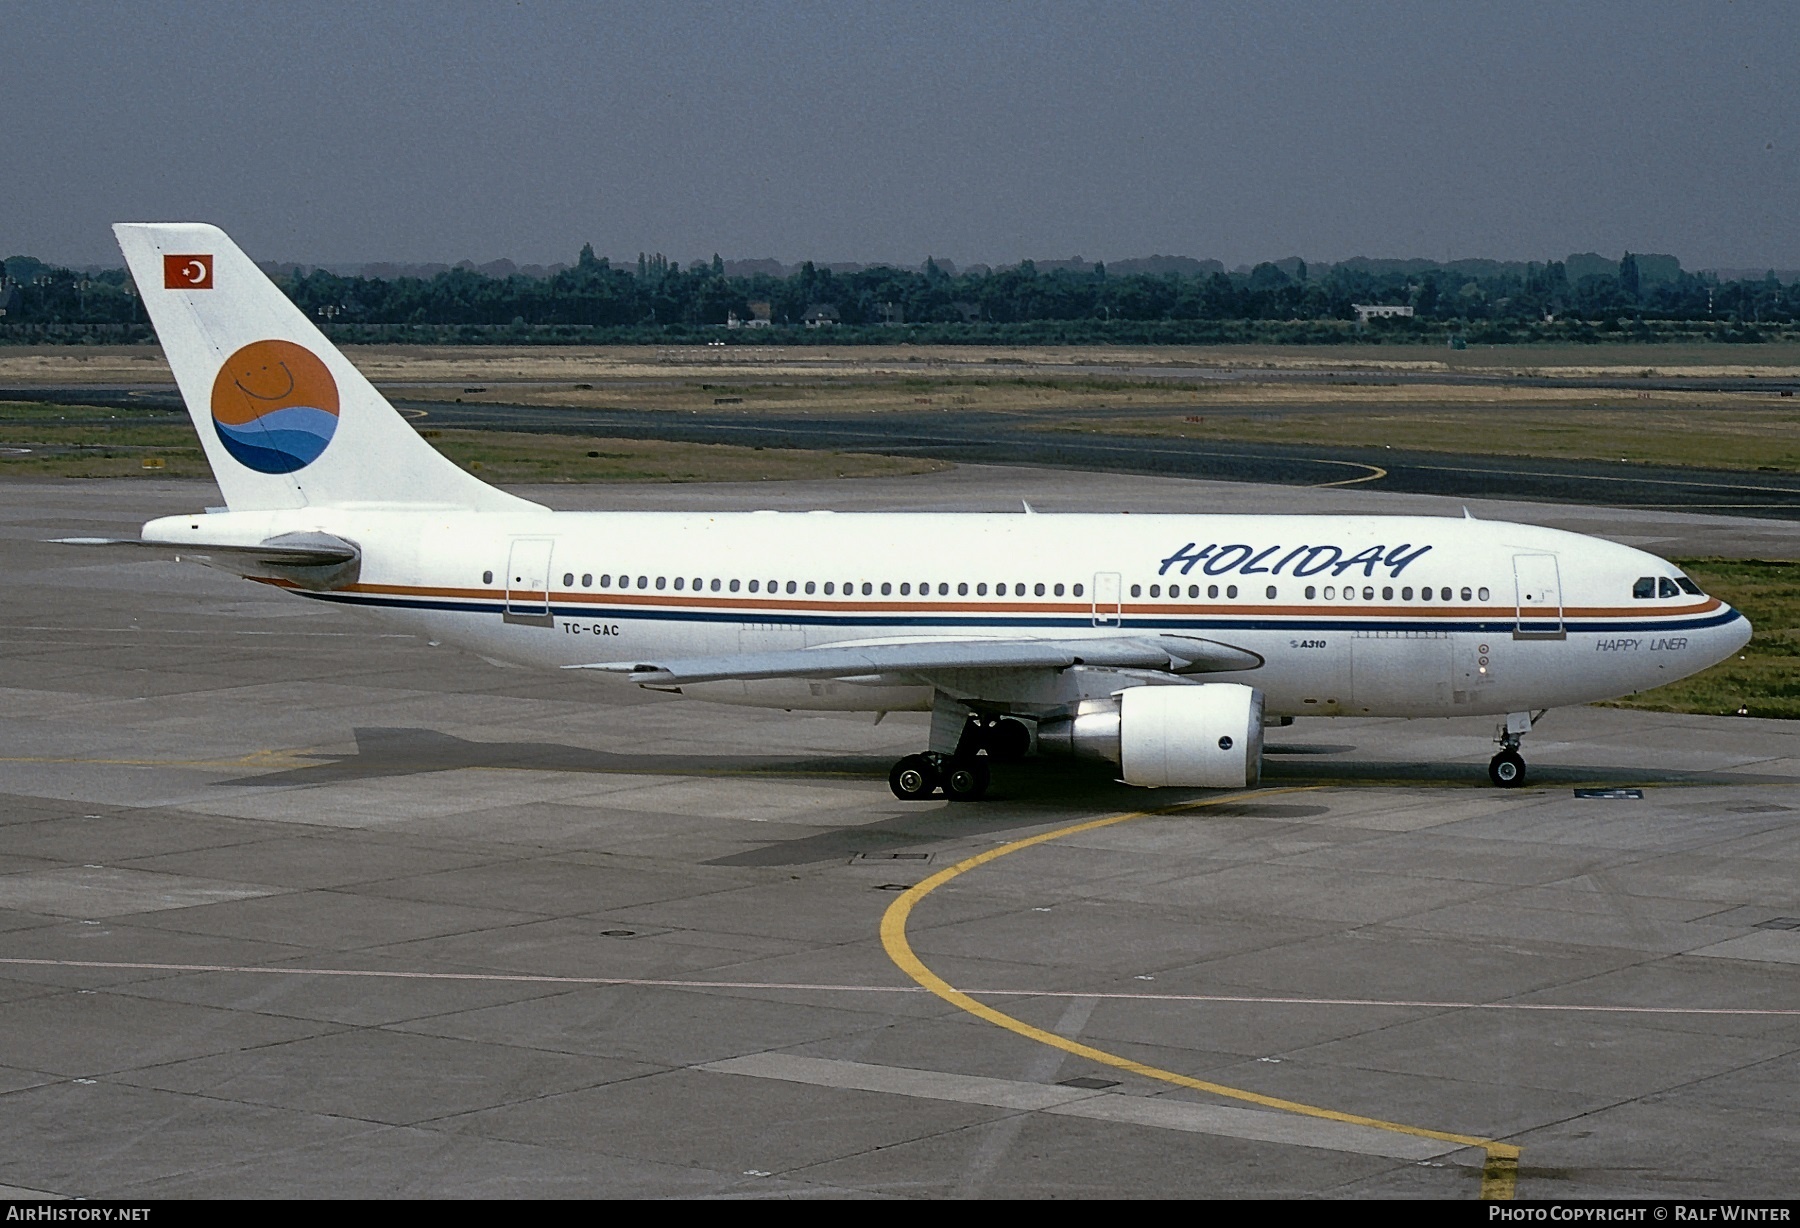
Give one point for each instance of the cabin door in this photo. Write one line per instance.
(1539, 588)
(528, 582)
(1106, 599)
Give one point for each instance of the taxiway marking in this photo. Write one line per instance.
(1499, 1174)
(531, 978)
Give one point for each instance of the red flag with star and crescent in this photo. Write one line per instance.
(189, 272)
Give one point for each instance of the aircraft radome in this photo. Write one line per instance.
(1160, 644)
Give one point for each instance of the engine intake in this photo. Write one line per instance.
(1208, 736)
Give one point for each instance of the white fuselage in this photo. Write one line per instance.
(1394, 616)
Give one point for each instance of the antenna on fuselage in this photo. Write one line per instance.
(1029, 510)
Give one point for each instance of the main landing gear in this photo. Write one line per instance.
(1507, 769)
(917, 777)
(963, 776)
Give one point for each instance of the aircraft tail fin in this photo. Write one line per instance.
(286, 420)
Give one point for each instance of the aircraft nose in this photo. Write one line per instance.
(1731, 636)
(1741, 631)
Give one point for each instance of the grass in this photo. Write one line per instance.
(1764, 679)
(502, 456)
(65, 365)
(92, 447)
(1745, 438)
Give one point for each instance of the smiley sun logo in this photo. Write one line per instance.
(275, 406)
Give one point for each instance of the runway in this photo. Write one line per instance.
(295, 904)
(995, 438)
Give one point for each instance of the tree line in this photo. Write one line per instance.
(1585, 298)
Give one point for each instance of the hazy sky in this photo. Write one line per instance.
(848, 131)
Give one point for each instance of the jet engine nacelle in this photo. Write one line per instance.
(1208, 736)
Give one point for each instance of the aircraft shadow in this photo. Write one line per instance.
(382, 753)
(1024, 795)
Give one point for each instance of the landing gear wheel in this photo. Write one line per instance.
(1507, 769)
(913, 779)
(965, 780)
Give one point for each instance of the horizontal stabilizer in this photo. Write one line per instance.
(315, 561)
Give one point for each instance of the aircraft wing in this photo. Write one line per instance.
(1178, 654)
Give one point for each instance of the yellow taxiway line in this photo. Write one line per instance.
(1499, 1176)
(1375, 474)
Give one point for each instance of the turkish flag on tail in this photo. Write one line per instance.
(187, 272)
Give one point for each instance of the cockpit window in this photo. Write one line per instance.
(1689, 587)
(1645, 587)
(1665, 587)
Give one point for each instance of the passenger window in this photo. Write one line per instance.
(1406, 594)
(830, 588)
(1212, 590)
(605, 581)
(1231, 590)
(680, 583)
(1331, 592)
(1481, 594)
(1193, 590)
(944, 589)
(587, 581)
(867, 588)
(887, 589)
(1077, 590)
(696, 584)
(962, 589)
(755, 584)
(906, 590)
(1311, 592)
(1270, 592)
(1443, 594)
(1368, 592)
(810, 586)
(1037, 590)
(981, 589)
(1156, 590)
(1387, 594)
(1665, 587)
(661, 582)
(1057, 591)
(568, 579)
(1467, 595)
(1137, 590)
(644, 582)
(734, 586)
(487, 577)
(715, 586)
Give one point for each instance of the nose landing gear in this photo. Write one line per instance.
(1507, 769)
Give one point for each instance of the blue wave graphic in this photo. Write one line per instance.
(280, 441)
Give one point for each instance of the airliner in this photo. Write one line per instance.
(1162, 645)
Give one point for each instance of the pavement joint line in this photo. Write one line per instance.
(823, 987)
(1227, 1121)
(1499, 1179)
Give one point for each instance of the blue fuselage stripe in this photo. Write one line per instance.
(857, 620)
